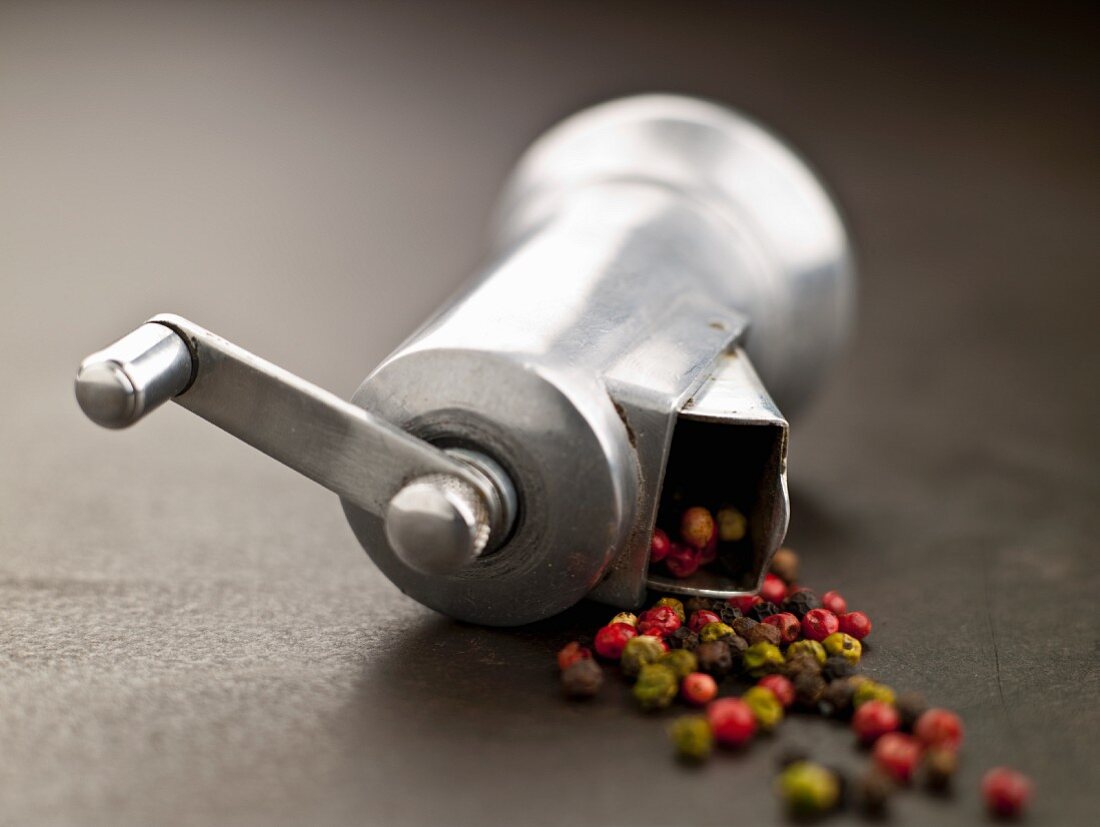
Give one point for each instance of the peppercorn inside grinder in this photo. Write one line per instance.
(510, 458)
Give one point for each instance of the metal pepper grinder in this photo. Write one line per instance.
(654, 259)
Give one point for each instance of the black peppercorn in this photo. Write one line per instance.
(728, 613)
(910, 706)
(800, 602)
(741, 625)
(837, 667)
(714, 658)
(683, 638)
(836, 700)
(764, 632)
(763, 609)
(737, 645)
(872, 793)
(699, 604)
(582, 679)
(940, 764)
(808, 689)
(802, 662)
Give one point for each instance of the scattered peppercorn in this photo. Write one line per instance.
(659, 546)
(910, 706)
(683, 560)
(727, 613)
(834, 602)
(787, 624)
(714, 658)
(765, 707)
(764, 633)
(836, 700)
(808, 789)
(698, 688)
(656, 686)
(873, 720)
(683, 638)
(674, 604)
(715, 631)
(836, 667)
(808, 689)
(869, 690)
(801, 601)
(737, 645)
(872, 793)
(572, 652)
(940, 765)
(897, 754)
(761, 610)
(809, 647)
(744, 603)
(697, 527)
(612, 639)
(773, 589)
(856, 624)
(732, 721)
(1006, 792)
(780, 687)
(818, 624)
(701, 618)
(659, 621)
(741, 625)
(762, 658)
(845, 646)
(698, 604)
(692, 737)
(939, 728)
(628, 618)
(680, 661)
(639, 651)
(731, 524)
(582, 679)
(785, 565)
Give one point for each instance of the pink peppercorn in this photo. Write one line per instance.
(660, 621)
(939, 728)
(856, 624)
(571, 653)
(732, 721)
(698, 688)
(780, 686)
(834, 602)
(787, 624)
(874, 719)
(745, 602)
(701, 618)
(1006, 792)
(773, 590)
(697, 527)
(683, 560)
(659, 546)
(612, 639)
(818, 624)
(897, 754)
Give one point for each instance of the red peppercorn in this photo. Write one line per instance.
(683, 560)
(709, 552)
(744, 603)
(659, 621)
(697, 527)
(780, 686)
(611, 640)
(787, 624)
(571, 653)
(897, 754)
(699, 688)
(701, 618)
(1006, 792)
(834, 602)
(818, 624)
(773, 589)
(659, 546)
(856, 624)
(874, 719)
(732, 721)
(939, 728)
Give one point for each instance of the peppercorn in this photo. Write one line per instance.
(784, 565)
(737, 645)
(818, 624)
(745, 602)
(582, 679)
(732, 721)
(680, 661)
(801, 601)
(628, 618)
(699, 604)
(571, 653)
(910, 706)
(869, 690)
(845, 646)
(714, 658)
(674, 604)
(856, 624)
(701, 618)
(798, 664)
(940, 765)
(656, 686)
(683, 638)
(834, 602)
(1006, 792)
(683, 560)
(808, 789)
(709, 552)
(698, 688)
(727, 613)
(836, 700)
(692, 737)
(808, 689)
(659, 621)
(787, 624)
(897, 755)
(731, 524)
(780, 687)
(939, 728)
(610, 640)
(697, 527)
(761, 610)
(836, 667)
(659, 546)
(808, 647)
(741, 625)
(764, 633)
(872, 792)
(772, 589)
(639, 651)
(715, 631)
(762, 659)
(873, 720)
(765, 707)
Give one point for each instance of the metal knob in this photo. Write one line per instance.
(437, 524)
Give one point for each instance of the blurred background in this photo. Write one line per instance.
(190, 633)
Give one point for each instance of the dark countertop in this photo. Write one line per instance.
(190, 634)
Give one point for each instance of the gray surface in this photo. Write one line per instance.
(190, 634)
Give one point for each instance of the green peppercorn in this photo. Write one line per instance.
(808, 789)
(741, 625)
(714, 631)
(765, 707)
(680, 661)
(715, 658)
(639, 651)
(762, 659)
(731, 524)
(693, 737)
(582, 679)
(764, 633)
(628, 618)
(811, 647)
(656, 686)
(910, 706)
(675, 605)
(869, 690)
(844, 646)
(808, 689)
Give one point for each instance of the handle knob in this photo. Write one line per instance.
(437, 524)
